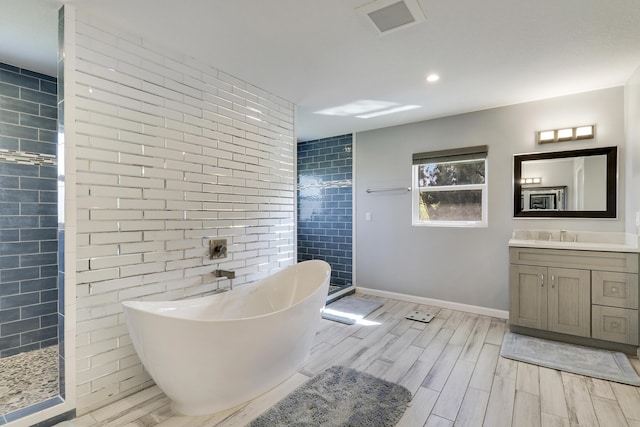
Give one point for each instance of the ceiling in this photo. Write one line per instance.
(321, 54)
(29, 34)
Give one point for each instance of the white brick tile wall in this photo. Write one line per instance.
(169, 152)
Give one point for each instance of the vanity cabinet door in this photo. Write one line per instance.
(569, 301)
(528, 296)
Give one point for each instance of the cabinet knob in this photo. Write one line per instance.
(614, 289)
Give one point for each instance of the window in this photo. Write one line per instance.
(450, 187)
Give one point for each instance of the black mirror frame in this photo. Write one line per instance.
(612, 183)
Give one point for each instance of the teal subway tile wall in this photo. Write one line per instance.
(28, 211)
(325, 189)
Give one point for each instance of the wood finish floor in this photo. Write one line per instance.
(451, 365)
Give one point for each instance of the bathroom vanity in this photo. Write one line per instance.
(579, 287)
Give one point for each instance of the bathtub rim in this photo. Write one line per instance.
(151, 307)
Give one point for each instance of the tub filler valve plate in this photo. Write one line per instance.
(218, 248)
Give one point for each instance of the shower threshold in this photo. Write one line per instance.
(340, 292)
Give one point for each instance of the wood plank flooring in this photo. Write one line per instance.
(451, 365)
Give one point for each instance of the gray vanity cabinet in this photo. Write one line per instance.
(574, 292)
(550, 298)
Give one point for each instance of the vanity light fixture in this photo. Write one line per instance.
(585, 132)
(546, 136)
(536, 180)
(566, 134)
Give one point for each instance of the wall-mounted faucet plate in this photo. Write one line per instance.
(218, 248)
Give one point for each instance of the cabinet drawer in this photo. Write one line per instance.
(564, 258)
(614, 289)
(614, 324)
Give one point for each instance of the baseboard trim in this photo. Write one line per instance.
(485, 311)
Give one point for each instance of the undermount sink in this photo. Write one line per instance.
(579, 240)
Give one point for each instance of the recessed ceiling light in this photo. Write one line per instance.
(431, 78)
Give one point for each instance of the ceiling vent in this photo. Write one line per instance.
(391, 15)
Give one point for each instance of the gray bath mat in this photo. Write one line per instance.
(350, 309)
(339, 397)
(592, 362)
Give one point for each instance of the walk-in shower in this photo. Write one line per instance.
(28, 239)
(30, 311)
(325, 193)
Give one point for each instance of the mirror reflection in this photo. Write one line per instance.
(544, 198)
(578, 183)
(573, 183)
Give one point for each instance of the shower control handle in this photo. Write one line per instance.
(218, 248)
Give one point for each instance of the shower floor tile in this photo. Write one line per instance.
(28, 378)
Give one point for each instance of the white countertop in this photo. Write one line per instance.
(576, 240)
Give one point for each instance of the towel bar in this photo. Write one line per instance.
(369, 190)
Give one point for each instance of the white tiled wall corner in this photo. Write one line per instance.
(168, 152)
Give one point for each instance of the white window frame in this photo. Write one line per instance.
(449, 156)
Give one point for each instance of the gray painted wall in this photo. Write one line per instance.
(632, 160)
(466, 265)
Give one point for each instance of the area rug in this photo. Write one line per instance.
(592, 362)
(349, 309)
(339, 397)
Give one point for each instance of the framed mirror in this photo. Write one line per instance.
(566, 184)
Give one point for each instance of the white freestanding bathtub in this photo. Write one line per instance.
(216, 352)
